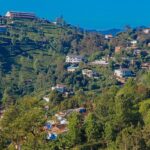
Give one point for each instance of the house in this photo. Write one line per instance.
(89, 73)
(59, 88)
(46, 99)
(123, 73)
(108, 36)
(133, 44)
(118, 49)
(51, 136)
(3, 29)
(137, 52)
(48, 126)
(25, 15)
(145, 65)
(74, 59)
(59, 129)
(72, 68)
(99, 62)
(146, 31)
(64, 122)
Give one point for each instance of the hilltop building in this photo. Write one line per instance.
(25, 15)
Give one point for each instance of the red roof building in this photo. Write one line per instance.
(26, 15)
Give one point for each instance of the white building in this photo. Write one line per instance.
(108, 36)
(74, 59)
(146, 31)
(123, 73)
(89, 73)
(46, 99)
(100, 62)
(134, 42)
(55, 23)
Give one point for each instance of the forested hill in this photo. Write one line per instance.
(62, 87)
(32, 48)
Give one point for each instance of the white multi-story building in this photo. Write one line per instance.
(74, 59)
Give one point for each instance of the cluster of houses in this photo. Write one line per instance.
(120, 74)
(74, 61)
(59, 123)
(131, 45)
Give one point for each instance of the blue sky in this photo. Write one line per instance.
(90, 14)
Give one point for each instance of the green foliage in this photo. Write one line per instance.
(74, 127)
(145, 111)
(92, 128)
(22, 119)
(32, 60)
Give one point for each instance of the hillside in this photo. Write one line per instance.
(34, 48)
(62, 87)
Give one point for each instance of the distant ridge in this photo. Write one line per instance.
(111, 31)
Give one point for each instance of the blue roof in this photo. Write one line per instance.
(52, 136)
(48, 125)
